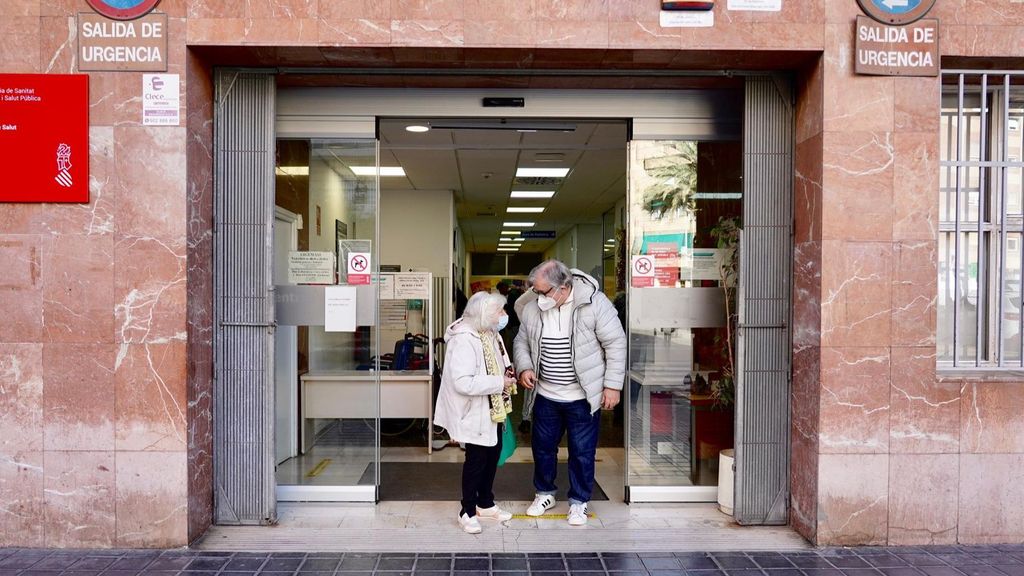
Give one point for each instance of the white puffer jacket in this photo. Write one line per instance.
(463, 407)
(598, 340)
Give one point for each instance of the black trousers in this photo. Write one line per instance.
(478, 476)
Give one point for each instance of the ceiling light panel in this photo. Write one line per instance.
(536, 194)
(372, 170)
(519, 224)
(524, 209)
(541, 172)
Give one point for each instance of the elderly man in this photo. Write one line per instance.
(571, 354)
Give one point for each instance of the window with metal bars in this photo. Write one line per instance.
(981, 221)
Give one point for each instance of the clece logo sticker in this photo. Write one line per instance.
(123, 9)
(896, 12)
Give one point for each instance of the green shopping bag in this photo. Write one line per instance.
(508, 441)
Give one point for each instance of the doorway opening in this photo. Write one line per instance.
(474, 204)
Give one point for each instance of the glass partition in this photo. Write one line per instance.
(326, 354)
(685, 205)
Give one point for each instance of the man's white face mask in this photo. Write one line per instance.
(546, 303)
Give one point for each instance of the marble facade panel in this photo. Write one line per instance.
(853, 499)
(990, 418)
(79, 501)
(991, 497)
(152, 499)
(856, 293)
(923, 499)
(854, 400)
(78, 397)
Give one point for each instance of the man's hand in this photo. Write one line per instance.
(610, 398)
(527, 379)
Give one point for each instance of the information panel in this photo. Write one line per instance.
(44, 137)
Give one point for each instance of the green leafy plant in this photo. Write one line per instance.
(676, 179)
(727, 238)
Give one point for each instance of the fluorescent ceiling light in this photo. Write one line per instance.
(611, 239)
(508, 249)
(417, 128)
(520, 239)
(542, 172)
(532, 193)
(519, 224)
(503, 239)
(718, 195)
(372, 170)
(292, 170)
(525, 209)
(503, 245)
(510, 232)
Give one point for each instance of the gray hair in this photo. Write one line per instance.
(553, 271)
(483, 309)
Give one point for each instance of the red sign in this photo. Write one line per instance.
(123, 9)
(44, 137)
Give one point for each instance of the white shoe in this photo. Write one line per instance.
(578, 515)
(541, 504)
(493, 513)
(470, 525)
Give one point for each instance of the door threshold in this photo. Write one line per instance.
(432, 527)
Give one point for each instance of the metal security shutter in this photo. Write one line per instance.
(763, 343)
(243, 466)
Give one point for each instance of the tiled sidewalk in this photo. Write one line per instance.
(930, 561)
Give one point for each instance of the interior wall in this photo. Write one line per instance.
(589, 248)
(416, 230)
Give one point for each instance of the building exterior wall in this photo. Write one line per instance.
(105, 346)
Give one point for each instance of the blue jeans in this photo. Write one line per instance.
(551, 420)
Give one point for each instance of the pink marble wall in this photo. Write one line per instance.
(105, 352)
(92, 359)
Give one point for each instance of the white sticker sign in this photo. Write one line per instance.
(684, 19)
(412, 286)
(161, 102)
(310, 268)
(358, 268)
(755, 5)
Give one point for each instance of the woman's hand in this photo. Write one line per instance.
(509, 383)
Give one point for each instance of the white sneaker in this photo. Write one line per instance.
(541, 504)
(470, 525)
(493, 513)
(578, 515)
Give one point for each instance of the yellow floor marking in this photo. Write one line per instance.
(319, 468)
(547, 516)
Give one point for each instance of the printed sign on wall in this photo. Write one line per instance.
(44, 137)
(113, 45)
(161, 101)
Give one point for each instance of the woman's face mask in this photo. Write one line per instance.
(502, 322)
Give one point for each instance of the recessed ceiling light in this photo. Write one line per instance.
(510, 232)
(525, 209)
(519, 224)
(292, 170)
(519, 239)
(504, 245)
(417, 128)
(611, 239)
(532, 193)
(503, 239)
(508, 249)
(372, 170)
(542, 172)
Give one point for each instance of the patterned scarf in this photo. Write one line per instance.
(501, 403)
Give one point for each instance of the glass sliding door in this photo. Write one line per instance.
(685, 204)
(327, 399)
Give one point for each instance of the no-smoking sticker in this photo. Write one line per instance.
(642, 271)
(358, 268)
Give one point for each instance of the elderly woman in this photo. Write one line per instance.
(472, 404)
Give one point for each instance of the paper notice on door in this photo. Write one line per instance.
(412, 286)
(340, 309)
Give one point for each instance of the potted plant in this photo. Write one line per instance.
(727, 238)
